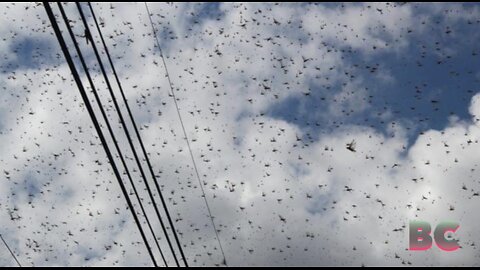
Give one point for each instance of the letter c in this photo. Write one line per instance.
(439, 234)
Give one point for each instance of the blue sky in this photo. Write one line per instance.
(431, 79)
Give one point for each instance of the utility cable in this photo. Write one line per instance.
(137, 133)
(86, 101)
(13, 255)
(172, 92)
(122, 121)
(98, 100)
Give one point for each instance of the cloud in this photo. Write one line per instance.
(279, 194)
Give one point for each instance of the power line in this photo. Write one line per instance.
(13, 255)
(99, 102)
(141, 143)
(172, 92)
(83, 93)
(120, 115)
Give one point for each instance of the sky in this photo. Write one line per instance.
(270, 95)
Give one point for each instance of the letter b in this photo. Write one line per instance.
(420, 238)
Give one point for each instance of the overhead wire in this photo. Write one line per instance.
(96, 124)
(137, 133)
(11, 252)
(110, 130)
(172, 93)
(125, 129)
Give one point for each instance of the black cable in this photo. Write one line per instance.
(13, 255)
(110, 130)
(83, 93)
(185, 134)
(139, 137)
(120, 115)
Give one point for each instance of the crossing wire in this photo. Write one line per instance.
(172, 92)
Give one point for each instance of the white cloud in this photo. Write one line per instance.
(257, 170)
